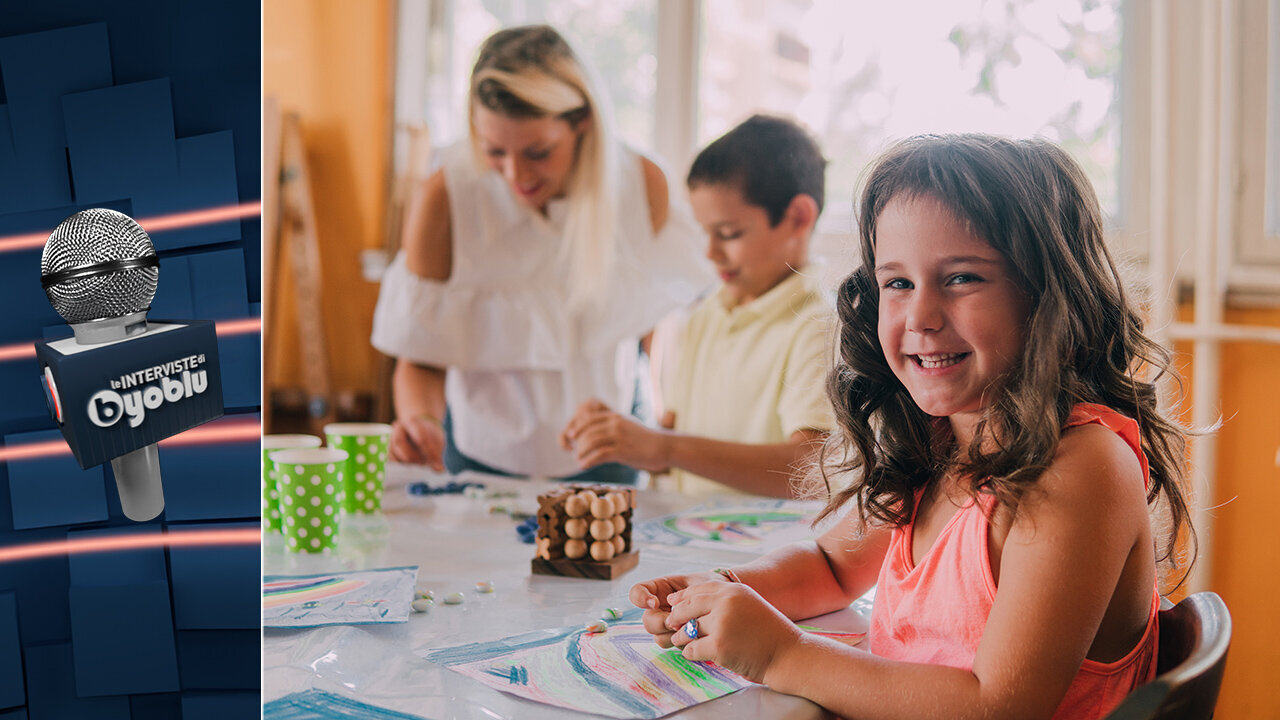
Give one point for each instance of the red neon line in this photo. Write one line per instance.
(186, 538)
(192, 218)
(17, 351)
(241, 326)
(215, 432)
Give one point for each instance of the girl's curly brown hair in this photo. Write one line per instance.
(1031, 201)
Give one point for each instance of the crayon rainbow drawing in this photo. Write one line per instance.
(751, 525)
(368, 596)
(618, 673)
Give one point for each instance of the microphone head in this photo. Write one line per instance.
(99, 264)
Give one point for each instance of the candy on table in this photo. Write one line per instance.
(454, 598)
(453, 487)
(422, 604)
(612, 614)
(527, 530)
(424, 595)
(585, 531)
(484, 586)
(598, 626)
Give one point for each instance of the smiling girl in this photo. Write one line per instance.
(533, 260)
(1003, 448)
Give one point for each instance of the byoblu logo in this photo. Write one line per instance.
(106, 407)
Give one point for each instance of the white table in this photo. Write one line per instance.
(456, 541)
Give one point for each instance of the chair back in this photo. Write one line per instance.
(1194, 635)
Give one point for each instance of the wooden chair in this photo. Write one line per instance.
(1194, 635)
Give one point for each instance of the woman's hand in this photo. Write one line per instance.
(599, 435)
(736, 628)
(652, 595)
(418, 441)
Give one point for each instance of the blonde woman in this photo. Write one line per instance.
(533, 260)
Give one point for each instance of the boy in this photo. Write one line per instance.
(745, 403)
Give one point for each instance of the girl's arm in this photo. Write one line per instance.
(418, 390)
(1075, 577)
(802, 580)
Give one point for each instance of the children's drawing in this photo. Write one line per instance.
(618, 673)
(350, 598)
(320, 705)
(755, 525)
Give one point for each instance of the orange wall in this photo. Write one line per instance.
(1246, 542)
(331, 62)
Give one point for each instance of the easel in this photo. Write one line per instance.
(289, 231)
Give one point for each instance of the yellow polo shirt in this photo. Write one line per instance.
(752, 374)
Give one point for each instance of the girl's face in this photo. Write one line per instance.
(952, 319)
(534, 155)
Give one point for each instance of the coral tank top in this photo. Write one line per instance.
(936, 612)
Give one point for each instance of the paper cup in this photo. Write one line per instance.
(366, 448)
(270, 486)
(311, 492)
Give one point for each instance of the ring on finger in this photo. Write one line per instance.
(691, 629)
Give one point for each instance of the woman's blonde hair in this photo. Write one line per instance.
(532, 72)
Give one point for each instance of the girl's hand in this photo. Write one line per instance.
(737, 629)
(652, 596)
(419, 441)
(597, 434)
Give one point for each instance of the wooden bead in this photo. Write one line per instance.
(619, 524)
(574, 549)
(619, 545)
(576, 527)
(602, 551)
(602, 529)
(602, 508)
(576, 506)
(619, 502)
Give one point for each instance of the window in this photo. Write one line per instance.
(617, 39)
(860, 75)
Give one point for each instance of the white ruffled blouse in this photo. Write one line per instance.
(518, 362)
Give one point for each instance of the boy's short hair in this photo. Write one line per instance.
(770, 160)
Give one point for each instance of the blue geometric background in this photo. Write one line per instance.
(149, 107)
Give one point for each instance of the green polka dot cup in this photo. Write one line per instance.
(311, 493)
(270, 486)
(366, 448)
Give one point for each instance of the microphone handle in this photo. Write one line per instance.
(138, 480)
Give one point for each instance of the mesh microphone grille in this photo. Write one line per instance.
(88, 238)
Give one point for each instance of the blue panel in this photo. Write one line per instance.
(206, 179)
(40, 68)
(220, 660)
(18, 714)
(12, 689)
(240, 357)
(220, 706)
(120, 567)
(173, 292)
(218, 285)
(121, 142)
(159, 706)
(217, 587)
(51, 689)
(41, 586)
(107, 619)
(23, 396)
(212, 481)
(53, 490)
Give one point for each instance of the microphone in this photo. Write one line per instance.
(137, 382)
